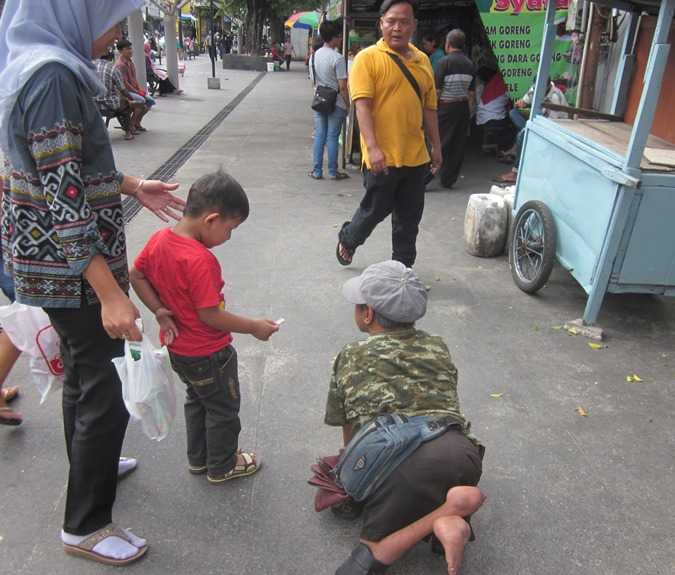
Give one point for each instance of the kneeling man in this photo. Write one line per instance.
(401, 370)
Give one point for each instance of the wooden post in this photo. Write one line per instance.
(170, 46)
(137, 39)
(651, 90)
(596, 25)
(625, 71)
(542, 86)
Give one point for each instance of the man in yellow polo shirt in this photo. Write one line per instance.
(394, 109)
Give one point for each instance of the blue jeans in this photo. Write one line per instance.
(326, 134)
(147, 100)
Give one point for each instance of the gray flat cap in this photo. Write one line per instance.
(391, 289)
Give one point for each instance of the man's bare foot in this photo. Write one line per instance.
(453, 533)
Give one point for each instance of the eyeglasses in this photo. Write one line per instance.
(402, 22)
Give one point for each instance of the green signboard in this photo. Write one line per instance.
(515, 29)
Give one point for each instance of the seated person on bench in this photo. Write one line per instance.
(492, 108)
(114, 103)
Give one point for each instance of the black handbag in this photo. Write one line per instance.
(325, 97)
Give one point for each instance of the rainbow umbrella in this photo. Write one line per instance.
(307, 20)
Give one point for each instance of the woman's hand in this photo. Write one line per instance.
(155, 195)
(119, 316)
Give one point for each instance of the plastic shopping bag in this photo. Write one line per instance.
(30, 330)
(148, 386)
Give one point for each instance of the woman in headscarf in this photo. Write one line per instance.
(63, 238)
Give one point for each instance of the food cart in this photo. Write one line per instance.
(597, 195)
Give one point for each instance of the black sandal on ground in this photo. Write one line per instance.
(361, 562)
(343, 261)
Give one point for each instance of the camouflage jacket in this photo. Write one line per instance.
(403, 371)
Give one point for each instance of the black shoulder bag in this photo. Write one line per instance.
(325, 97)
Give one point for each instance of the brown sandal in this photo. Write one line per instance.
(249, 467)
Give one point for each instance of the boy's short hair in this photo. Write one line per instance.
(217, 192)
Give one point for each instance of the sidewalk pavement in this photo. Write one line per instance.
(566, 493)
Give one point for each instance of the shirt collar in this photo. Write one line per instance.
(397, 333)
(384, 47)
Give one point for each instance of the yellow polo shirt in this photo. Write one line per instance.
(397, 112)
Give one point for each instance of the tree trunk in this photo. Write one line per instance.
(135, 27)
(277, 28)
(170, 45)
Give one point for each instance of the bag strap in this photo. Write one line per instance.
(313, 68)
(408, 75)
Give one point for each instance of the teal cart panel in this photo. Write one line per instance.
(581, 198)
(649, 247)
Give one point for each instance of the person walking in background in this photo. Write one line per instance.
(455, 84)
(60, 174)
(392, 86)
(289, 52)
(329, 68)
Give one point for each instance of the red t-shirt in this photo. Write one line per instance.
(187, 277)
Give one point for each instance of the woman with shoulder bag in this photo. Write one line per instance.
(331, 100)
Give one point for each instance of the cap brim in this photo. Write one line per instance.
(351, 290)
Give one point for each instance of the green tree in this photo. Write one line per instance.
(255, 14)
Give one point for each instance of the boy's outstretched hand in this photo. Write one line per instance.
(264, 328)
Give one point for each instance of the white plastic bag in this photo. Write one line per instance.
(30, 330)
(148, 386)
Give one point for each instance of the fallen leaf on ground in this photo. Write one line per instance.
(573, 331)
(581, 411)
(596, 345)
(556, 327)
(496, 395)
(634, 378)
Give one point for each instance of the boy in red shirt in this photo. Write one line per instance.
(178, 278)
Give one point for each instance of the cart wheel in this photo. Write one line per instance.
(532, 246)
